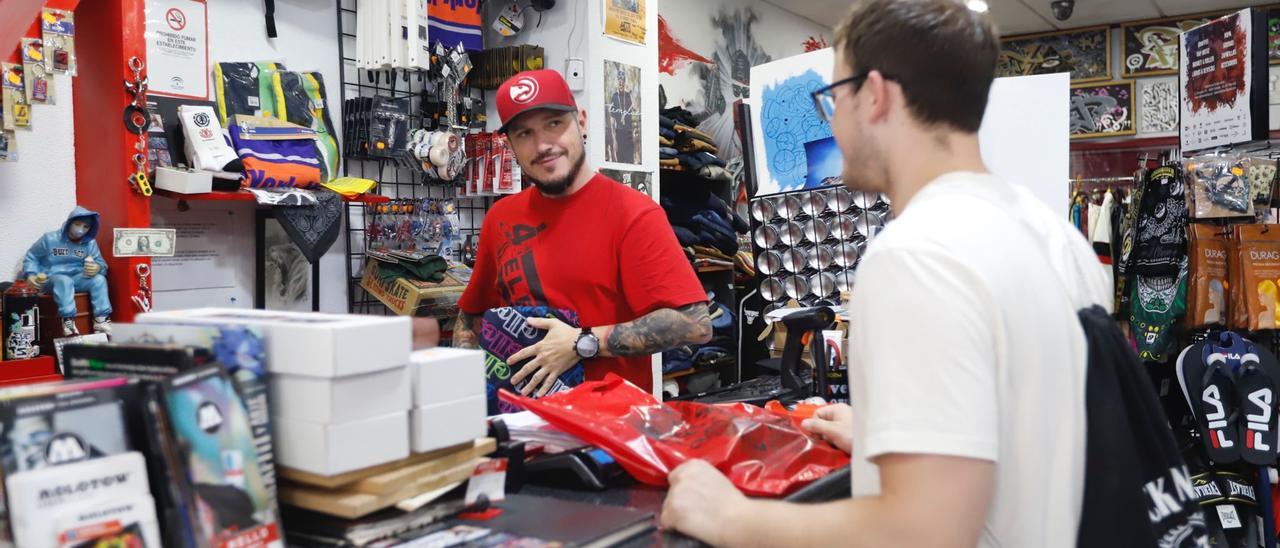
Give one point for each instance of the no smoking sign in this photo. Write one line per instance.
(176, 19)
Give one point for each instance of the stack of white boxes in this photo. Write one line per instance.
(449, 404)
(340, 384)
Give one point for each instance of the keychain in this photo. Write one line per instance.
(143, 299)
(139, 180)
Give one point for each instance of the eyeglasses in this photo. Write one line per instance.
(824, 100)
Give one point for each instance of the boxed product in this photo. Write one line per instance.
(447, 424)
(341, 399)
(317, 345)
(49, 506)
(406, 297)
(442, 375)
(224, 485)
(329, 449)
(51, 429)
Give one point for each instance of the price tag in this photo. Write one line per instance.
(490, 480)
(1226, 514)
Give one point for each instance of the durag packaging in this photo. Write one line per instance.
(1260, 258)
(1207, 282)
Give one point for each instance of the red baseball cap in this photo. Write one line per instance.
(531, 90)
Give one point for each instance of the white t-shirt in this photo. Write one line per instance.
(964, 341)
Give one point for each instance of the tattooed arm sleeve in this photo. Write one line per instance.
(658, 331)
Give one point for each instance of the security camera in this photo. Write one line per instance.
(1062, 9)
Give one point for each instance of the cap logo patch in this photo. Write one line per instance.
(524, 90)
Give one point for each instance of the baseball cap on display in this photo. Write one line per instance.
(531, 90)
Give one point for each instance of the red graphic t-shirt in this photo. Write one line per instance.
(606, 252)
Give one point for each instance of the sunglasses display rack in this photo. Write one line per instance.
(807, 243)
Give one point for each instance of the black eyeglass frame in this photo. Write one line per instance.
(826, 91)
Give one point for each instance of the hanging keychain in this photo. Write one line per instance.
(143, 299)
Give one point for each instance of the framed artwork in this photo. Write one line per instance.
(1273, 35)
(622, 105)
(784, 120)
(1085, 53)
(1151, 47)
(1102, 110)
(1157, 107)
(286, 281)
(624, 20)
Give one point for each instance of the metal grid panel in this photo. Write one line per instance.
(393, 181)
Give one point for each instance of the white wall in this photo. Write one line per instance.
(772, 34)
(565, 32)
(307, 41)
(39, 190)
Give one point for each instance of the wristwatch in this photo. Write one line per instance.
(588, 345)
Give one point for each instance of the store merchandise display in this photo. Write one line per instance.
(808, 243)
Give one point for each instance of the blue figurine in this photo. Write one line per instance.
(68, 261)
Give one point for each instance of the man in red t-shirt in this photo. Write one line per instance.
(580, 241)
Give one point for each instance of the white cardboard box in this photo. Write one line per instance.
(184, 181)
(341, 399)
(332, 449)
(448, 424)
(312, 344)
(446, 374)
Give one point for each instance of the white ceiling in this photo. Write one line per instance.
(1024, 16)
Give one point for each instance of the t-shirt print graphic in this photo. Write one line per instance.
(518, 280)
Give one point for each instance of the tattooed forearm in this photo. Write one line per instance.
(660, 330)
(464, 331)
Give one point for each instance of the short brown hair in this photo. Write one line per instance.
(942, 54)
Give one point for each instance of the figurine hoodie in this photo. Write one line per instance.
(62, 259)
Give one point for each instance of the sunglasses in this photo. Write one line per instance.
(824, 99)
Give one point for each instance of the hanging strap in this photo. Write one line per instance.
(271, 18)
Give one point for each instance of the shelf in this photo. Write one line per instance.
(246, 196)
(709, 269)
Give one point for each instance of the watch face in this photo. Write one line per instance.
(588, 346)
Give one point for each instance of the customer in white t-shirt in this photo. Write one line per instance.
(966, 358)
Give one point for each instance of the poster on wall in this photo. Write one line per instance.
(1220, 103)
(286, 275)
(177, 36)
(1102, 110)
(784, 120)
(1273, 35)
(622, 125)
(639, 180)
(1085, 53)
(1151, 47)
(1157, 103)
(624, 20)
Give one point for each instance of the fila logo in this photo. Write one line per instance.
(1215, 254)
(1264, 255)
(209, 417)
(524, 90)
(65, 448)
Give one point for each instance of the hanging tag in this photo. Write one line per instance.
(490, 480)
(1229, 517)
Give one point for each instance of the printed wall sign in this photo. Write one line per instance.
(1221, 103)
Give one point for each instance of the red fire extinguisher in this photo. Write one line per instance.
(21, 321)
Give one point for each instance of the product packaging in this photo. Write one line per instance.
(1261, 173)
(17, 111)
(275, 153)
(49, 506)
(8, 145)
(507, 175)
(1207, 279)
(245, 88)
(1237, 312)
(39, 79)
(1219, 187)
(1260, 261)
(224, 484)
(58, 28)
(205, 145)
(505, 331)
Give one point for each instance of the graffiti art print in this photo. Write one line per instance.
(1151, 47)
(286, 272)
(639, 180)
(622, 120)
(1102, 110)
(1220, 104)
(624, 20)
(784, 119)
(1085, 53)
(727, 77)
(1273, 35)
(1158, 107)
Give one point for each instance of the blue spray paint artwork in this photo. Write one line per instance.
(789, 120)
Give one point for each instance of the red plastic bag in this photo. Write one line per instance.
(761, 452)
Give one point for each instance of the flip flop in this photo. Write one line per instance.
(1216, 414)
(1257, 403)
